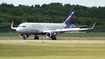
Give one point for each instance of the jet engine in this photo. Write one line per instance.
(51, 35)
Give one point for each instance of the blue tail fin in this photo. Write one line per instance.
(68, 20)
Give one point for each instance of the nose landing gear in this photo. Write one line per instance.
(24, 36)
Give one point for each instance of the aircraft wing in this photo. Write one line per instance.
(69, 29)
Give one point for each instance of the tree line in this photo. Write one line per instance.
(53, 12)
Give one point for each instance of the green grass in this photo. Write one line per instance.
(7, 34)
(15, 34)
(32, 50)
(83, 34)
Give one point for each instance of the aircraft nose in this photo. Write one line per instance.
(20, 30)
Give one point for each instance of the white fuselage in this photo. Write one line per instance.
(33, 28)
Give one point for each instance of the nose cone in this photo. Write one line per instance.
(20, 30)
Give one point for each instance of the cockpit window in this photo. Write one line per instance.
(22, 26)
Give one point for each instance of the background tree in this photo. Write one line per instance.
(53, 12)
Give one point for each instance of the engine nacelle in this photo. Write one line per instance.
(51, 35)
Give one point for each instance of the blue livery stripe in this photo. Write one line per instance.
(68, 21)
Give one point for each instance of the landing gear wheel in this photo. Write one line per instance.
(36, 37)
(24, 36)
(53, 38)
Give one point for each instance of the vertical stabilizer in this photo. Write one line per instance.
(68, 20)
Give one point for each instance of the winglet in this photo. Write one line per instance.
(12, 24)
(94, 25)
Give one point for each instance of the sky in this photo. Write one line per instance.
(88, 3)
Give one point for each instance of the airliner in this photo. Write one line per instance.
(51, 30)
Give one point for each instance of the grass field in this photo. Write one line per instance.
(48, 50)
(33, 50)
(64, 36)
(15, 34)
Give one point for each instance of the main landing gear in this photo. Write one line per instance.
(36, 37)
(53, 38)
